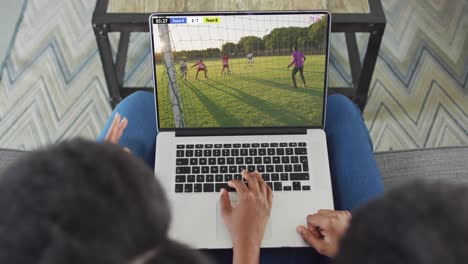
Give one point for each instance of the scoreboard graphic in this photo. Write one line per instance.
(187, 20)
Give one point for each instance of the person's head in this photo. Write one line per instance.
(84, 202)
(418, 223)
(201, 60)
(294, 48)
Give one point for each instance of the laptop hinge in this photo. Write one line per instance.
(240, 132)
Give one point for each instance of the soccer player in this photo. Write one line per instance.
(183, 68)
(225, 64)
(250, 58)
(298, 60)
(201, 67)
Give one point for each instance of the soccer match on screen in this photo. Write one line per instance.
(240, 70)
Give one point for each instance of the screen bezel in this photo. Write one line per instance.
(242, 130)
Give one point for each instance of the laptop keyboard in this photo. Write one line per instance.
(208, 167)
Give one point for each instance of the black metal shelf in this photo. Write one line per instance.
(349, 23)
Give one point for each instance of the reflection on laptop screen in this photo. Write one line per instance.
(258, 70)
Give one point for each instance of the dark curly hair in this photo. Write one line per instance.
(84, 202)
(421, 222)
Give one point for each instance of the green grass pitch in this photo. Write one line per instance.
(255, 95)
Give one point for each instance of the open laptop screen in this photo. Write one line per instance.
(240, 70)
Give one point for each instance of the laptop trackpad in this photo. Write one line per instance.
(222, 232)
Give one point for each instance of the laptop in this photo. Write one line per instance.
(241, 91)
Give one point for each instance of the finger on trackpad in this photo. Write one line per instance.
(221, 230)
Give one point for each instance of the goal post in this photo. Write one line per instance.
(172, 84)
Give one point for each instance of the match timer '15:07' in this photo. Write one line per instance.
(158, 20)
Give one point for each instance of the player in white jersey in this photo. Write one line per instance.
(250, 58)
(183, 68)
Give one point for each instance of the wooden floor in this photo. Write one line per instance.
(148, 6)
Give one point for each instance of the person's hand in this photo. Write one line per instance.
(289, 66)
(116, 130)
(325, 230)
(247, 221)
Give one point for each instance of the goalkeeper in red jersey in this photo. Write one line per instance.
(201, 67)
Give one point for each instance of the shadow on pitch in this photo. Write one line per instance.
(219, 114)
(280, 114)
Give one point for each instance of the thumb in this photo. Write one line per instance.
(310, 238)
(225, 203)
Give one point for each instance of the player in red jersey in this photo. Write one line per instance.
(225, 64)
(200, 67)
